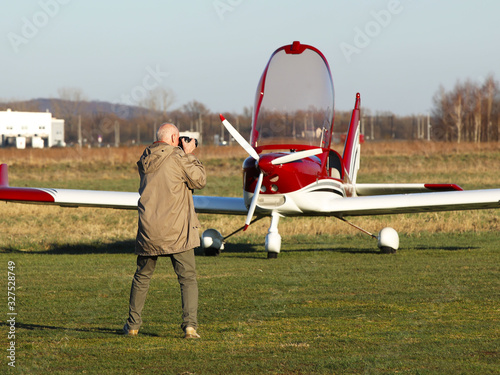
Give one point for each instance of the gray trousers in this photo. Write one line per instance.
(185, 268)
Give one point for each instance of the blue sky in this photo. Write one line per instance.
(395, 53)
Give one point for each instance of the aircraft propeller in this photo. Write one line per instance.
(251, 151)
(238, 138)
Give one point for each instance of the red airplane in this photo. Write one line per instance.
(291, 169)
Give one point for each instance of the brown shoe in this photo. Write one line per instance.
(190, 333)
(129, 332)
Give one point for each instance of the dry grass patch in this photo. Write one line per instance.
(40, 228)
(469, 165)
(130, 154)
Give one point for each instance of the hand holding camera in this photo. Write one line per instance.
(188, 144)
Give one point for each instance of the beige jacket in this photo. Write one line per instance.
(167, 221)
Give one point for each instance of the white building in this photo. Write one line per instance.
(38, 129)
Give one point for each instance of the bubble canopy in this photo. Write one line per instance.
(294, 103)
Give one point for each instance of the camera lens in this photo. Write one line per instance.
(187, 140)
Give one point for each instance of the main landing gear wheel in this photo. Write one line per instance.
(388, 241)
(212, 242)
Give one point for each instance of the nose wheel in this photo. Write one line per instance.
(273, 238)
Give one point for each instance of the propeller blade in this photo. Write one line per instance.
(296, 156)
(242, 141)
(251, 209)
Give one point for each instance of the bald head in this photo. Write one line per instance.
(168, 133)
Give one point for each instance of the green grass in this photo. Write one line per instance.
(327, 305)
(330, 304)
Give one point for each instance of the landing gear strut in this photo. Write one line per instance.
(213, 242)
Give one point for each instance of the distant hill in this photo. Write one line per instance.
(60, 107)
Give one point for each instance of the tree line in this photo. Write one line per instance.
(470, 112)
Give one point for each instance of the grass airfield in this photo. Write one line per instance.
(330, 304)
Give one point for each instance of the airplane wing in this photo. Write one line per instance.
(418, 202)
(351, 206)
(108, 199)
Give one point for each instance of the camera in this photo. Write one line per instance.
(187, 140)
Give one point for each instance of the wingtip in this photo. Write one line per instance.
(245, 227)
(4, 175)
(222, 117)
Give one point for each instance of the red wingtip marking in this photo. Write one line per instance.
(4, 176)
(25, 194)
(221, 117)
(443, 187)
(245, 228)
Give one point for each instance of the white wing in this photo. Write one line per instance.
(420, 202)
(109, 199)
(112, 199)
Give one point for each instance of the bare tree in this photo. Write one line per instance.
(470, 109)
(72, 100)
(158, 100)
(442, 115)
(490, 87)
(195, 111)
(477, 115)
(457, 113)
(69, 107)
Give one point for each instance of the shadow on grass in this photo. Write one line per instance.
(240, 248)
(236, 248)
(38, 327)
(118, 247)
(445, 248)
(339, 249)
(244, 249)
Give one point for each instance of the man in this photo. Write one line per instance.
(168, 225)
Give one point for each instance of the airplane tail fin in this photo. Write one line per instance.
(4, 177)
(352, 148)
